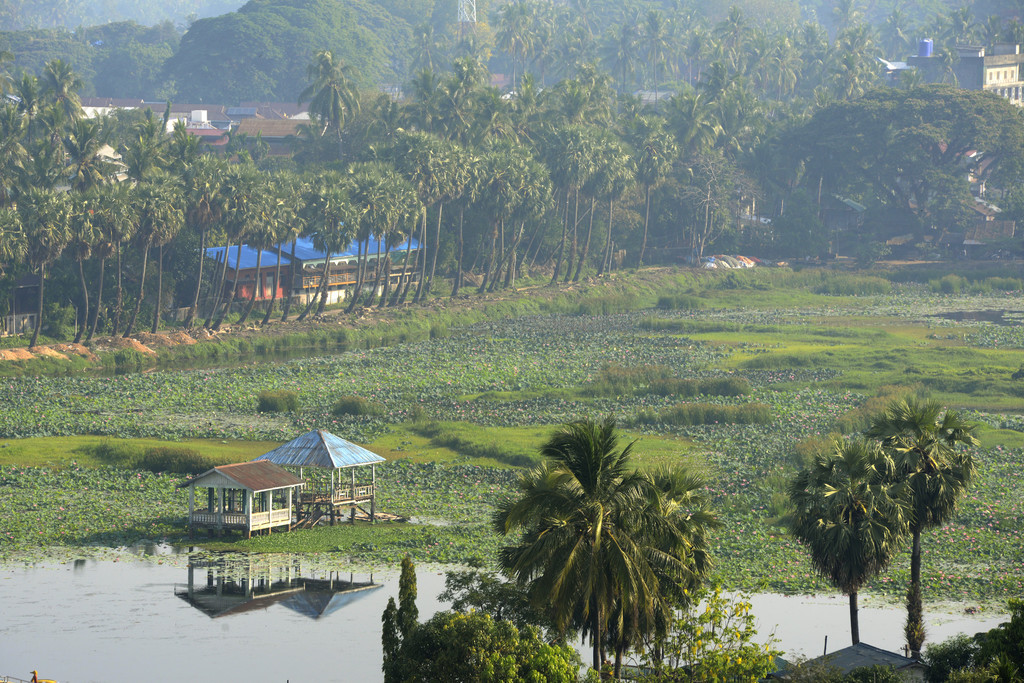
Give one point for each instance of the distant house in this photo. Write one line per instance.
(863, 655)
(277, 133)
(301, 276)
(999, 71)
(840, 214)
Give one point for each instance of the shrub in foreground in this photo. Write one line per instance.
(278, 401)
(355, 405)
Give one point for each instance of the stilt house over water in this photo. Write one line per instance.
(247, 496)
(322, 502)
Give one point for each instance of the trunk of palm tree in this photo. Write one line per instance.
(915, 621)
(586, 244)
(99, 303)
(606, 262)
(437, 248)
(320, 287)
(159, 288)
(234, 285)
(118, 298)
(422, 265)
(510, 273)
(405, 280)
(647, 218)
(39, 309)
(190, 318)
(574, 244)
(256, 287)
(220, 289)
(325, 285)
(561, 245)
(142, 293)
(288, 292)
(360, 274)
(595, 633)
(458, 265)
(273, 293)
(490, 260)
(502, 258)
(854, 624)
(85, 303)
(387, 278)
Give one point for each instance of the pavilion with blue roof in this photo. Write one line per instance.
(301, 275)
(326, 451)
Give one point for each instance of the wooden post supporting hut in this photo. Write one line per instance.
(247, 497)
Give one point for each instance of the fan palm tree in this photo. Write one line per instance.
(244, 190)
(12, 238)
(331, 93)
(927, 446)
(594, 539)
(849, 515)
(44, 215)
(331, 219)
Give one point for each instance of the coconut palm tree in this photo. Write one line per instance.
(593, 539)
(204, 207)
(12, 238)
(13, 131)
(44, 214)
(159, 219)
(331, 94)
(331, 218)
(60, 85)
(927, 445)
(83, 143)
(114, 217)
(655, 150)
(849, 515)
(84, 235)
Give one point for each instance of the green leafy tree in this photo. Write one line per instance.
(849, 516)
(713, 639)
(927, 445)
(331, 94)
(159, 218)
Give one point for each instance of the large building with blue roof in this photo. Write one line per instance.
(301, 267)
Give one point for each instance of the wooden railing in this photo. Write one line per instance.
(340, 494)
(236, 519)
(224, 518)
(272, 518)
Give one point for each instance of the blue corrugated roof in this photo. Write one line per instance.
(321, 449)
(304, 251)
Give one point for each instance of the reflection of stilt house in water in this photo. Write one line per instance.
(322, 501)
(229, 588)
(247, 496)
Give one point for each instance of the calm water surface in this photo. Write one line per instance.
(133, 621)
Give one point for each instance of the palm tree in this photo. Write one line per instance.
(655, 152)
(655, 40)
(84, 235)
(244, 189)
(114, 218)
(13, 129)
(331, 93)
(12, 238)
(44, 214)
(849, 516)
(145, 152)
(925, 444)
(61, 85)
(331, 218)
(599, 540)
(204, 207)
(83, 144)
(159, 216)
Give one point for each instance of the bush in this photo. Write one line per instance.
(852, 285)
(616, 380)
(680, 302)
(174, 459)
(1005, 284)
(949, 284)
(278, 401)
(355, 405)
(958, 652)
(716, 386)
(689, 414)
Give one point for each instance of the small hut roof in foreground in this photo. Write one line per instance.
(321, 449)
(254, 476)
